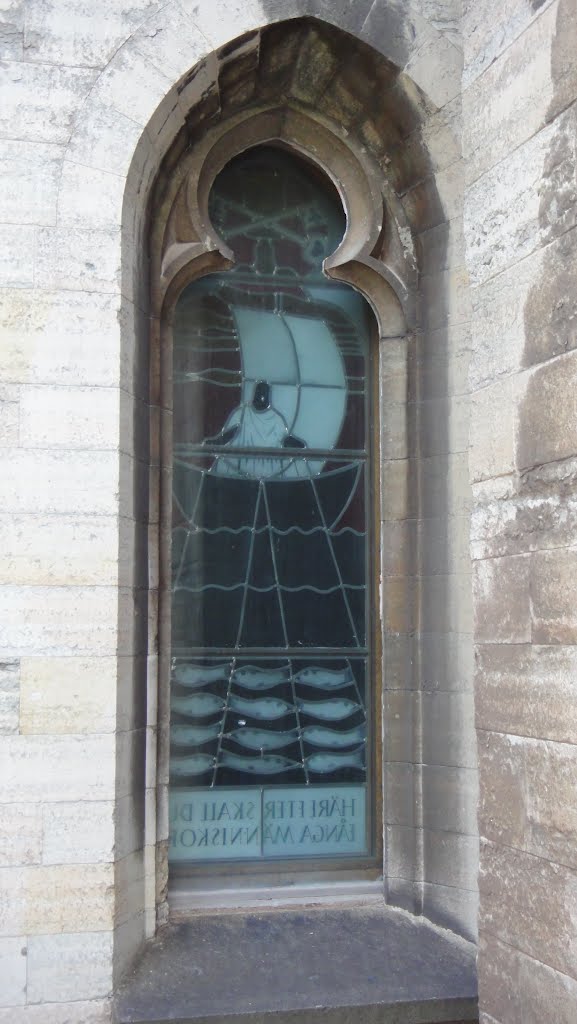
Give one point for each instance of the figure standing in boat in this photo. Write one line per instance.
(255, 424)
(293, 395)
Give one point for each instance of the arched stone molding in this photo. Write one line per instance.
(355, 177)
(139, 105)
(142, 96)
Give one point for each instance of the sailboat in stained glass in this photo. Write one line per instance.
(270, 489)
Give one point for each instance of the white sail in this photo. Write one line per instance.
(300, 359)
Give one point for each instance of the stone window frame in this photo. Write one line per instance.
(373, 257)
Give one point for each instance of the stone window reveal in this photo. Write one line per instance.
(272, 679)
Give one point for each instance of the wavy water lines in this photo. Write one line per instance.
(338, 588)
(236, 531)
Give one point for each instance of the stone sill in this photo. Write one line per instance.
(334, 964)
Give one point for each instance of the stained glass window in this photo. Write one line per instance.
(270, 688)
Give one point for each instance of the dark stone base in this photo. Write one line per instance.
(337, 965)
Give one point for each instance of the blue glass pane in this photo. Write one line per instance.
(270, 533)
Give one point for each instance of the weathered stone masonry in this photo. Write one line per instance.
(519, 92)
(92, 98)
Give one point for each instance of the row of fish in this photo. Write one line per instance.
(255, 678)
(265, 739)
(202, 705)
(268, 764)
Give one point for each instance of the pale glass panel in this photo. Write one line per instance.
(215, 825)
(267, 348)
(281, 822)
(318, 356)
(320, 416)
(316, 821)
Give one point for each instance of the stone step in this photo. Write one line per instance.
(335, 965)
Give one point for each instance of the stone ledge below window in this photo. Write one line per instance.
(338, 965)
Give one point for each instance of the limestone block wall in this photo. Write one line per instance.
(72, 700)
(520, 138)
(89, 107)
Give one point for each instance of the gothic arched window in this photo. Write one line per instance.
(272, 603)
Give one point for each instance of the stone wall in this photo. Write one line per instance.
(89, 108)
(520, 138)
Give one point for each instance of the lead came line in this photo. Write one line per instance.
(357, 688)
(275, 529)
(299, 726)
(274, 565)
(222, 724)
(336, 564)
(281, 606)
(348, 503)
(192, 528)
(304, 454)
(267, 590)
(248, 569)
